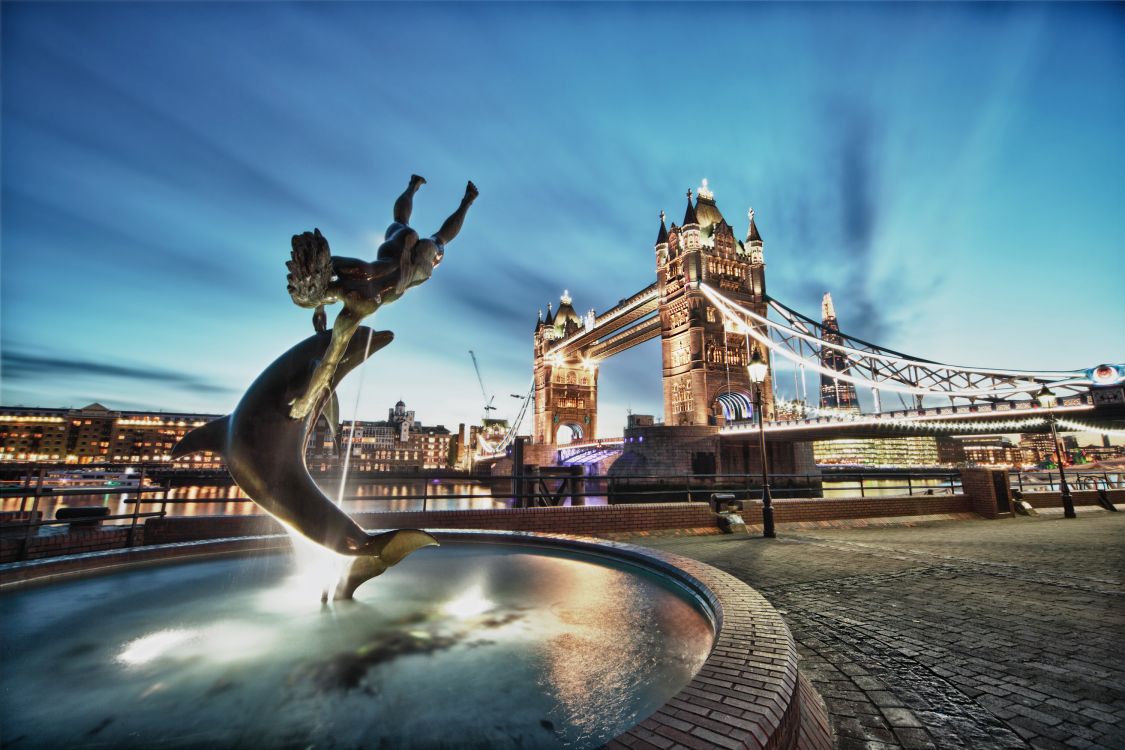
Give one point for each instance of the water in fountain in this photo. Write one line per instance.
(470, 645)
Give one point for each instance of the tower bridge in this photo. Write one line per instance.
(710, 309)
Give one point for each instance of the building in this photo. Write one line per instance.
(398, 444)
(1037, 447)
(834, 393)
(881, 452)
(96, 433)
(991, 450)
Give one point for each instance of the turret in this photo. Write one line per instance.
(690, 229)
(662, 242)
(753, 242)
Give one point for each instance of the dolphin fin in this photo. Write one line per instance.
(210, 437)
(381, 552)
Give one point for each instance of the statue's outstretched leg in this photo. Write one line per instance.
(453, 224)
(404, 206)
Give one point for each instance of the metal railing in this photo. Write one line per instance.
(34, 488)
(531, 490)
(1047, 480)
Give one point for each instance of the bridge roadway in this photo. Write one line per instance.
(1006, 417)
(632, 321)
(982, 419)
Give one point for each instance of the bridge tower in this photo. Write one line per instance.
(566, 385)
(705, 379)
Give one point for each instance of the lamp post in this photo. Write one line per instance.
(1047, 399)
(757, 370)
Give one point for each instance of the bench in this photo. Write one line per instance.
(82, 517)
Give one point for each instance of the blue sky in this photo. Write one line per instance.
(954, 174)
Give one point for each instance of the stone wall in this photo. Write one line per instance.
(1080, 497)
(980, 486)
(69, 543)
(820, 509)
(590, 520)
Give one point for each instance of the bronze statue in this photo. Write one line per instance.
(263, 440)
(316, 278)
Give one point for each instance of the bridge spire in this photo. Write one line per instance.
(662, 236)
(827, 309)
(752, 231)
(689, 215)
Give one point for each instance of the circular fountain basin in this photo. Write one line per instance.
(487, 641)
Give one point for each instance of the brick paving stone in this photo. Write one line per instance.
(986, 634)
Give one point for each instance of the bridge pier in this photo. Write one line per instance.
(699, 454)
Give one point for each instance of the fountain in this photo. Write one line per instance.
(488, 640)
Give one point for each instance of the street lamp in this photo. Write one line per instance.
(1047, 399)
(757, 370)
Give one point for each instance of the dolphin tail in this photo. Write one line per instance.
(379, 553)
(210, 437)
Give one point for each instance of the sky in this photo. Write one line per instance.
(953, 174)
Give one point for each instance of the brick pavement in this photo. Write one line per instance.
(978, 634)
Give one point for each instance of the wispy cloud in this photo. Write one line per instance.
(24, 367)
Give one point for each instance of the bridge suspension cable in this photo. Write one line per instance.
(881, 368)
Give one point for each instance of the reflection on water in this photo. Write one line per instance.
(467, 646)
(888, 487)
(404, 495)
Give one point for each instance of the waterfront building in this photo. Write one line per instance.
(97, 434)
(400, 443)
(834, 393)
(991, 450)
(877, 452)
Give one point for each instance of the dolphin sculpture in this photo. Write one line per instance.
(264, 450)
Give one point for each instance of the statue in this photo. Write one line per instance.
(317, 278)
(263, 440)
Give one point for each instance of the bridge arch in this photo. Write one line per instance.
(569, 432)
(733, 406)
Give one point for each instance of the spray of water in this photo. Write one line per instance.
(355, 414)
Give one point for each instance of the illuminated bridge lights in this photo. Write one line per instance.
(901, 373)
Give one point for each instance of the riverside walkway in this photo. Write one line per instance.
(956, 634)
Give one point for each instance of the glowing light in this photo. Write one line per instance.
(726, 307)
(220, 642)
(153, 646)
(704, 191)
(565, 298)
(469, 604)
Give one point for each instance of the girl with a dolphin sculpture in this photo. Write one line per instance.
(263, 440)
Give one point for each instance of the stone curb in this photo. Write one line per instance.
(748, 694)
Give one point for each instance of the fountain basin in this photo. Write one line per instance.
(492, 640)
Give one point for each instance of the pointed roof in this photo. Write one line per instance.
(566, 313)
(752, 231)
(707, 214)
(539, 322)
(827, 309)
(662, 236)
(550, 319)
(689, 214)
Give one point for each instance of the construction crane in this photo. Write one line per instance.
(487, 401)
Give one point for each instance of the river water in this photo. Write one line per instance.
(409, 495)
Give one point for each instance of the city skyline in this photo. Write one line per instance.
(147, 209)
